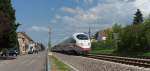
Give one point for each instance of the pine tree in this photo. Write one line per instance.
(138, 17)
(8, 26)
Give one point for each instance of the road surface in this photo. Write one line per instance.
(32, 62)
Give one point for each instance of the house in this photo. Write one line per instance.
(24, 42)
(103, 34)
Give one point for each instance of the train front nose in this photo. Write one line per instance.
(86, 46)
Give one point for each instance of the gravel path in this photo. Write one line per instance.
(79, 63)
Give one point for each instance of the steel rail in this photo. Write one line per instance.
(124, 60)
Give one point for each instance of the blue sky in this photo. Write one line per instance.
(66, 17)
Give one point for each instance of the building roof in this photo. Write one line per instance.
(25, 35)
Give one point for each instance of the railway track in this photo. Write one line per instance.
(124, 60)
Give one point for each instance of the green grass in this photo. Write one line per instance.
(102, 51)
(58, 65)
(146, 54)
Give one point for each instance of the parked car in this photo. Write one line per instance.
(4, 52)
(13, 52)
(30, 52)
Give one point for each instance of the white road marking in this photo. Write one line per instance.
(48, 64)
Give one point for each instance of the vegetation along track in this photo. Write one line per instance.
(124, 60)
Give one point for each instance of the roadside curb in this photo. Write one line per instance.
(48, 62)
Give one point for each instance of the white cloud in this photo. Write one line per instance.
(72, 10)
(113, 11)
(88, 1)
(103, 14)
(39, 29)
(85, 1)
(57, 17)
(100, 16)
(53, 21)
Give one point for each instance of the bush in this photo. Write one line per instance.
(132, 38)
(101, 44)
(135, 38)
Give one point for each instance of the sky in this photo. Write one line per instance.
(65, 17)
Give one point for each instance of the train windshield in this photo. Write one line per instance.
(82, 37)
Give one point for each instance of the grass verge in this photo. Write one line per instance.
(107, 51)
(57, 65)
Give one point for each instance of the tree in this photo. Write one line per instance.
(116, 28)
(138, 18)
(96, 35)
(147, 30)
(8, 26)
(42, 46)
(133, 39)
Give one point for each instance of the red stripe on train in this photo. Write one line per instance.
(86, 49)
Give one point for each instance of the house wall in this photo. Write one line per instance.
(24, 42)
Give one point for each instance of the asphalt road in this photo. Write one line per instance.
(32, 62)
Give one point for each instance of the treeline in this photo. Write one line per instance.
(130, 38)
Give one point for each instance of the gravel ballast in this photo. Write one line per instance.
(79, 63)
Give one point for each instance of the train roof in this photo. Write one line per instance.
(66, 38)
(75, 34)
(78, 33)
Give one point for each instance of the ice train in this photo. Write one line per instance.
(78, 43)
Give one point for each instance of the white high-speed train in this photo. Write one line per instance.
(79, 43)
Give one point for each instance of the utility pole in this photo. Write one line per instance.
(49, 40)
(89, 32)
(116, 39)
